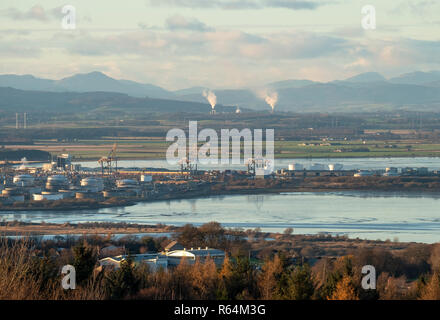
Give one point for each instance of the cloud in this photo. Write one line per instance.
(228, 44)
(294, 5)
(241, 4)
(37, 12)
(416, 7)
(178, 22)
(359, 63)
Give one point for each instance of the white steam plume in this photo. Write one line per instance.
(271, 98)
(211, 97)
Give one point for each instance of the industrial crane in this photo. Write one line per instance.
(107, 162)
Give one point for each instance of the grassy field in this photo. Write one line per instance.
(155, 148)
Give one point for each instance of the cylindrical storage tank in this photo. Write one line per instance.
(88, 195)
(363, 173)
(56, 182)
(57, 179)
(126, 183)
(126, 193)
(8, 192)
(113, 193)
(296, 167)
(336, 166)
(67, 194)
(24, 180)
(146, 178)
(92, 184)
(51, 196)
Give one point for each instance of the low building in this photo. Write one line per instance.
(191, 256)
(167, 258)
(154, 260)
(172, 246)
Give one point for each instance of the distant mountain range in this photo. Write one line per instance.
(364, 92)
(15, 100)
(88, 82)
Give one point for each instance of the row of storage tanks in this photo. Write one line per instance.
(316, 167)
(58, 187)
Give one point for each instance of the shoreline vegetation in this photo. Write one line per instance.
(244, 187)
(144, 157)
(29, 229)
(298, 147)
(277, 156)
(285, 266)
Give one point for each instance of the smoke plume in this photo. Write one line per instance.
(211, 97)
(271, 98)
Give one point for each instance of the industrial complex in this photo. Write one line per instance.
(62, 179)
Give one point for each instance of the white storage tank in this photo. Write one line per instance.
(126, 183)
(363, 173)
(336, 166)
(67, 194)
(50, 196)
(146, 178)
(8, 191)
(92, 184)
(57, 180)
(295, 167)
(23, 180)
(391, 170)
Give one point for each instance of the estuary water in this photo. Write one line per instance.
(432, 163)
(367, 215)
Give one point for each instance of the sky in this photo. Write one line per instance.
(178, 44)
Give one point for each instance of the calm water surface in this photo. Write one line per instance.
(367, 215)
(432, 163)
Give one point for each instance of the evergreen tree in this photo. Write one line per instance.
(300, 284)
(122, 282)
(84, 261)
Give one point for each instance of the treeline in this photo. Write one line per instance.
(24, 276)
(17, 155)
(344, 183)
(66, 204)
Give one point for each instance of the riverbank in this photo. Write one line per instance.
(14, 228)
(67, 205)
(404, 185)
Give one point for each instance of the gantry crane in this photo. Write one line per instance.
(107, 162)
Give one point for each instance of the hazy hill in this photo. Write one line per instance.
(189, 91)
(418, 77)
(363, 92)
(15, 100)
(87, 82)
(25, 82)
(290, 84)
(367, 77)
(360, 97)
